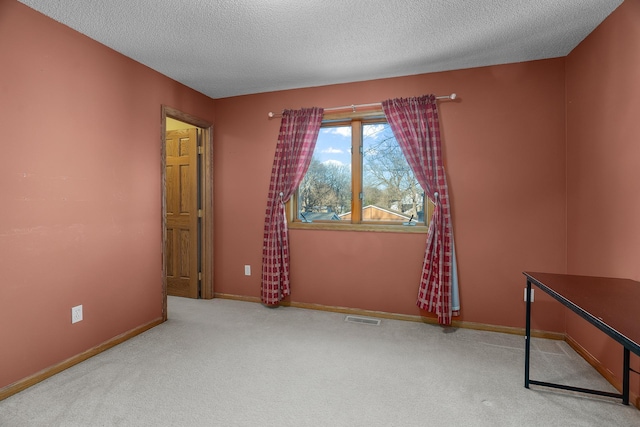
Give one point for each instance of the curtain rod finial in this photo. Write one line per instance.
(453, 96)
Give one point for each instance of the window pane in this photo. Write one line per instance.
(391, 191)
(325, 192)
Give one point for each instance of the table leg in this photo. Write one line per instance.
(625, 377)
(527, 336)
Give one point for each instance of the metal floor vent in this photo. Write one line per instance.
(365, 320)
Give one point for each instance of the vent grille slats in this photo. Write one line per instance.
(362, 320)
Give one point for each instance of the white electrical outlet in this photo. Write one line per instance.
(247, 270)
(525, 295)
(76, 314)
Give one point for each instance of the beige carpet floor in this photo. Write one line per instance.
(232, 363)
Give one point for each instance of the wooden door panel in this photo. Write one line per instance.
(182, 213)
(170, 189)
(185, 253)
(180, 276)
(184, 192)
(171, 265)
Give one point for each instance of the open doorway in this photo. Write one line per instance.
(187, 206)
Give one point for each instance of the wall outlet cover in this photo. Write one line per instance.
(76, 314)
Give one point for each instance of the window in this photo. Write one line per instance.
(358, 176)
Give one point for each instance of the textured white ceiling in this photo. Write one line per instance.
(225, 48)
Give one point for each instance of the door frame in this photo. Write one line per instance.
(206, 187)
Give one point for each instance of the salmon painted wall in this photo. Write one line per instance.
(504, 145)
(80, 191)
(603, 148)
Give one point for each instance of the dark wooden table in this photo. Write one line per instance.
(611, 305)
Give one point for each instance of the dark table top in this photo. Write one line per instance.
(612, 305)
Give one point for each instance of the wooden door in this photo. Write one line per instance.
(182, 213)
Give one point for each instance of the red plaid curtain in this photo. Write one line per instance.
(296, 141)
(415, 125)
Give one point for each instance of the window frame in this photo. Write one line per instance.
(356, 120)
